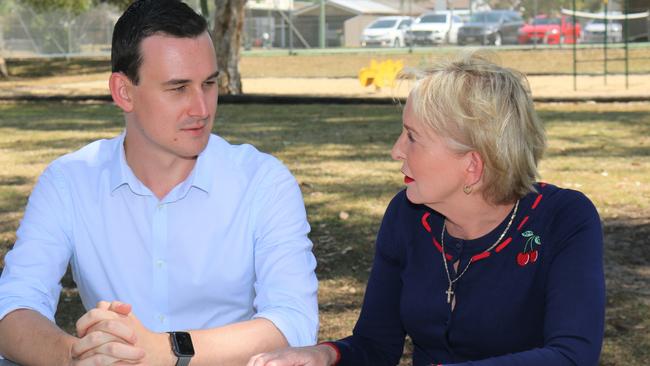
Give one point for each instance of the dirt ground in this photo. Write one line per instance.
(542, 86)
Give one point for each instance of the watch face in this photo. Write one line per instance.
(183, 344)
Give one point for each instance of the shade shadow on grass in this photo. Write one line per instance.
(31, 68)
(333, 151)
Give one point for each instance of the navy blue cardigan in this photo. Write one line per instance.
(537, 299)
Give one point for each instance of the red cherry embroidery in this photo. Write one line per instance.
(533, 256)
(529, 254)
(522, 259)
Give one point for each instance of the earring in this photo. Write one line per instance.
(467, 189)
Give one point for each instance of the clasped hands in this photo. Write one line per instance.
(111, 335)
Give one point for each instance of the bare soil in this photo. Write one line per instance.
(541, 86)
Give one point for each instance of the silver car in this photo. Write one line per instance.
(594, 31)
(386, 32)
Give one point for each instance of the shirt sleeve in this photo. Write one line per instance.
(286, 286)
(575, 293)
(37, 262)
(378, 336)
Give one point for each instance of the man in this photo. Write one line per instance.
(167, 227)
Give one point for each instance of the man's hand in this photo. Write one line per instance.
(110, 333)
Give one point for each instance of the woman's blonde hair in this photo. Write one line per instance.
(477, 105)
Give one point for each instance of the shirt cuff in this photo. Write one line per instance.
(298, 332)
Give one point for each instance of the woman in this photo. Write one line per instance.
(476, 262)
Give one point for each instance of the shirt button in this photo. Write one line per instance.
(161, 317)
(160, 263)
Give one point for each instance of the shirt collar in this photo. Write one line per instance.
(203, 173)
(201, 176)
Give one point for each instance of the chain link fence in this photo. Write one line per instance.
(27, 33)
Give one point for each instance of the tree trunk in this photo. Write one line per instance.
(3, 69)
(227, 33)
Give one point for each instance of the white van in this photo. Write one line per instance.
(386, 32)
(436, 28)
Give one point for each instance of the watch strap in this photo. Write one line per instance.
(183, 360)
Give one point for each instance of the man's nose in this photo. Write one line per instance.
(199, 105)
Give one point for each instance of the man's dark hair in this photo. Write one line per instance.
(144, 18)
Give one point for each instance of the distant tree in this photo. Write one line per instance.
(204, 8)
(121, 4)
(73, 6)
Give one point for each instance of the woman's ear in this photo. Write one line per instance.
(121, 89)
(474, 168)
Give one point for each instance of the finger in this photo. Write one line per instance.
(124, 363)
(276, 362)
(97, 360)
(104, 305)
(90, 341)
(120, 307)
(118, 350)
(107, 331)
(93, 340)
(92, 317)
(117, 328)
(270, 359)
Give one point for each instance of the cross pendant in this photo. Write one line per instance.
(449, 293)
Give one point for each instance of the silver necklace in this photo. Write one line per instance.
(450, 289)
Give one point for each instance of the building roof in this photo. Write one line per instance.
(404, 6)
(354, 7)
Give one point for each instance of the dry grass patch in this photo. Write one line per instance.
(347, 62)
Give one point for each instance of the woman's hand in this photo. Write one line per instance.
(319, 355)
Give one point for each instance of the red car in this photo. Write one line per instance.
(546, 30)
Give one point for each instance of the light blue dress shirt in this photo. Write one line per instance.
(226, 245)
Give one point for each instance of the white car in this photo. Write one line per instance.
(386, 32)
(435, 28)
(594, 31)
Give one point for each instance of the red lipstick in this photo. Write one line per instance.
(408, 179)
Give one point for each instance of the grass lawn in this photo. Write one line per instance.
(340, 156)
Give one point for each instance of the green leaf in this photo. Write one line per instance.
(527, 234)
(538, 241)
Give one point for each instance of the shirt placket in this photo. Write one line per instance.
(160, 268)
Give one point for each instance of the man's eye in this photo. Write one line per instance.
(180, 88)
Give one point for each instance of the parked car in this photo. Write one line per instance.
(386, 32)
(495, 27)
(594, 31)
(547, 30)
(435, 28)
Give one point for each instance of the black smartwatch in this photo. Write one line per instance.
(182, 347)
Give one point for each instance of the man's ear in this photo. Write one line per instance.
(474, 167)
(121, 91)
